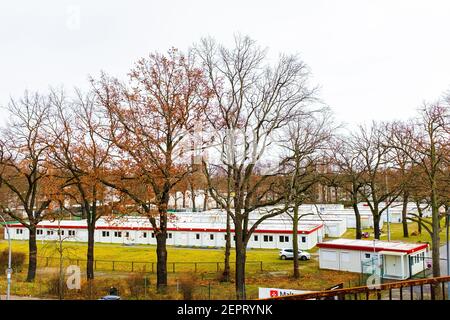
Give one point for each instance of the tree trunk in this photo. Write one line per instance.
(358, 220)
(226, 268)
(90, 252)
(241, 254)
(295, 242)
(404, 215)
(376, 225)
(193, 199)
(32, 257)
(205, 200)
(435, 243)
(161, 254)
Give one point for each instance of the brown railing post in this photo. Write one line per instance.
(361, 291)
(132, 266)
(261, 265)
(113, 265)
(174, 267)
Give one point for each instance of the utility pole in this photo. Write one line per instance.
(9, 270)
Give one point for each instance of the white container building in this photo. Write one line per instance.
(397, 260)
(131, 230)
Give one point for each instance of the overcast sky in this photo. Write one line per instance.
(372, 59)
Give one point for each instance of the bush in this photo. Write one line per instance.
(53, 287)
(187, 285)
(17, 261)
(136, 285)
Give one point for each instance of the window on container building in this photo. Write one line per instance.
(39, 232)
(19, 231)
(153, 234)
(127, 234)
(144, 234)
(255, 238)
(118, 234)
(197, 236)
(71, 232)
(105, 233)
(169, 235)
(60, 232)
(211, 237)
(303, 239)
(49, 232)
(284, 239)
(268, 238)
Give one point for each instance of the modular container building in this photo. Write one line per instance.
(131, 230)
(396, 260)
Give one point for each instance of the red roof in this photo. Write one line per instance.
(119, 228)
(367, 245)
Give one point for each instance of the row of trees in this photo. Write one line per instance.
(252, 134)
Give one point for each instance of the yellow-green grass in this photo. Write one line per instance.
(184, 258)
(276, 273)
(396, 230)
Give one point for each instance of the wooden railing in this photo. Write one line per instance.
(422, 289)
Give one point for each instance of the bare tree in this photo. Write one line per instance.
(24, 171)
(253, 102)
(378, 191)
(347, 173)
(150, 120)
(426, 142)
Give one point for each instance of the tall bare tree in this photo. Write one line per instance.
(80, 154)
(348, 170)
(254, 101)
(426, 142)
(305, 146)
(378, 191)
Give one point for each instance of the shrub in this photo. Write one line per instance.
(53, 286)
(17, 261)
(136, 285)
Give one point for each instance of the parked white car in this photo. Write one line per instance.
(289, 254)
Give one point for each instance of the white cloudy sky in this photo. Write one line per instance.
(373, 59)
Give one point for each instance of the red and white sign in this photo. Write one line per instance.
(264, 293)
